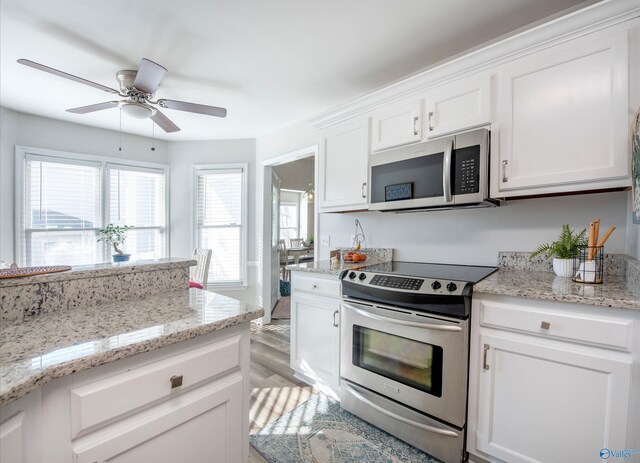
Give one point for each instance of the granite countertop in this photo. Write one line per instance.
(614, 292)
(325, 267)
(94, 270)
(51, 345)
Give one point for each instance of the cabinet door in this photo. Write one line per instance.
(11, 439)
(457, 106)
(343, 167)
(202, 425)
(315, 338)
(563, 119)
(396, 126)
(543, 403)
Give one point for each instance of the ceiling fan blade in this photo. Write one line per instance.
(149, 76)
(164, 122)
(66, 75)
(93, 107)
(193, 108)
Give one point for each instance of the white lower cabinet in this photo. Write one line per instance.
(315, 332)
(536, 396)
(188, 403)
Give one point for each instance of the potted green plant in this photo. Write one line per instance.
(115, 235)
(564, 250)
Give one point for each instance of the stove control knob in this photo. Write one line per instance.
(451, 287)
(352, 275)
(362, 276)
(436, 285)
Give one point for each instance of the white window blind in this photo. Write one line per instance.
(62, 212)
(65, 198)
(220, 223)
(137, 197)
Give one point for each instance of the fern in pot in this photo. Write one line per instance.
(115, 235)
(564, 250)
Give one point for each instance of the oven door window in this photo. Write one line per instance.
(407, 361)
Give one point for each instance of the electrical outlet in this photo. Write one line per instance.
(325, 240)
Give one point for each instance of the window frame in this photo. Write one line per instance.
(199, 169)
(23, 152)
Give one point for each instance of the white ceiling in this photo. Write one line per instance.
(271, 63)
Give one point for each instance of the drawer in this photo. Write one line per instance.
(598, 330)
(322, 287)
(106, 399)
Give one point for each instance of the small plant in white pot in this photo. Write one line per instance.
(563, 251)
(115, 235)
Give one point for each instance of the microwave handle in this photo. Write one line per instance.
(446, 172)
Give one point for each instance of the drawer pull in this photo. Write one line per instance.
(315, 286)
(335, 323)
(176, 381)
(485, 365)
(545, 325)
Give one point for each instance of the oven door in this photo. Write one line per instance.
(417, 359)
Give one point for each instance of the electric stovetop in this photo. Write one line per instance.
(467, 273)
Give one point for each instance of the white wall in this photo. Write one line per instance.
(182, 157)
(40, 132)
(475, 236)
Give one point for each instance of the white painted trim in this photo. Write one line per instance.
(544, 34)
(296, 155)
(103, 162)
(245, 225)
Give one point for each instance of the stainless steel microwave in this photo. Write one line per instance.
(445, 173)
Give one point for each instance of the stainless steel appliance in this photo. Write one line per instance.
(404, 356)
(444, 173)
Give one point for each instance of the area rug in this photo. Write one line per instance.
(282, 309)
(319, 431)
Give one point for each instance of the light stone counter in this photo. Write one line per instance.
(374, 256)
(620, 289)
(40, 348)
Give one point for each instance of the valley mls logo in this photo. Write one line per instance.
(606, 453)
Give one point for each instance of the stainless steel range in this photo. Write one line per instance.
(404, 358)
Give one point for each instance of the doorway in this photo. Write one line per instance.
(289, 222)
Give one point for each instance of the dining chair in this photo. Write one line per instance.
(296, 242)
(199, 274)
(284, 258)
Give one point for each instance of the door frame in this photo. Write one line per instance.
(265, 259)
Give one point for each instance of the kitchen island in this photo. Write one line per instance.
(158, 377)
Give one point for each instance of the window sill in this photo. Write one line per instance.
(215, 288)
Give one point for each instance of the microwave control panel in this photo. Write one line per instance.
(466, 174)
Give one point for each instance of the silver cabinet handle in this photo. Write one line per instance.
(431, 121)
(315, 286)
(380, 318)
(545, 325)
(176, 381)
(485, 365)
(415, 125)
(402, 419)
(504, 171)
(446, 172)
(335, 323)
(364, 189)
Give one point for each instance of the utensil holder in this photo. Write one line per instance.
(589, 265)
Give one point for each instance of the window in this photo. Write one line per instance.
(136, 197)
(64, 199)
(220, 221)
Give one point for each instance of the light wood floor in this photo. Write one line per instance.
(274, 390)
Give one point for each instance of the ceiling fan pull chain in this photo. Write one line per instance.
(153, 136)
(120, 141)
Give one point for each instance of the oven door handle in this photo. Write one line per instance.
(380, 318)
(402, 419)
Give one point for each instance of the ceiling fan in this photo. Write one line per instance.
(139, 88)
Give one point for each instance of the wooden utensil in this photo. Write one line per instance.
(605, 237)
(592, 240)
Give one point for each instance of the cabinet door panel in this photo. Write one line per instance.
(541, 403)
(396, 126)
(203, 425)
(11, 432)
(315, 341)
(563, 116)
(343, 167)
(458, 106)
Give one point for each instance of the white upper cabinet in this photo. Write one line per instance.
(343, 167)
(397, 125)
(563, 122)
(459, 105)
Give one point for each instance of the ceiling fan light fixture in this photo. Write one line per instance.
(137, 110)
